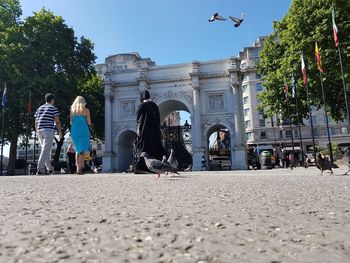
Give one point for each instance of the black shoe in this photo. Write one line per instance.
(38, 173)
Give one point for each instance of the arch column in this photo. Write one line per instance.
(239, 155)
(109, 154)
(197, 148)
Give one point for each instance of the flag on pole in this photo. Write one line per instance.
(4, 96)
(29, 105)
(335, 29)
(293, 86)
(286, 91)
(303, 69)
(318, 57)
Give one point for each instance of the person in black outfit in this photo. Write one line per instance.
(148, 132)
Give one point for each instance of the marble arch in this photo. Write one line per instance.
(210, 91)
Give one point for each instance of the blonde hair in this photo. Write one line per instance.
(79, 105)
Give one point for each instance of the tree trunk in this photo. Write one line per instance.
(13, 156)
(56, 157)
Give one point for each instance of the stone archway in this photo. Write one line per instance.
(219, 153)
(125, 156)
(168, 106)
(177, 137)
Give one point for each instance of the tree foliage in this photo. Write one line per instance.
(41, 54)
(296, 33)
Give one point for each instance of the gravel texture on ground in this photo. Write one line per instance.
(242, 216)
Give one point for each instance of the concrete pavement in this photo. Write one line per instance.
(249, 216)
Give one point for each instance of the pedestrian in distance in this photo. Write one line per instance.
(149, 139)
(70, 154)
(203, 164)
(80, 120)
(46, 122)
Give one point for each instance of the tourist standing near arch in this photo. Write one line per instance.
(148, 132)
(80, 121)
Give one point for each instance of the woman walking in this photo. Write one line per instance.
(80, 121)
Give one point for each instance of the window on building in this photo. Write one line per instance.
(247, 124)
(243, 65)
(331, 131)
(258, 76)
(248, 136)
(119, 68)
(314, 120)
(246, 112)
(316, 132)
(245, 77)
(296, 133)
(245, 100)
(254, 53)
(263, 135)
(281, 134)
(245, 87)
(344, 130)
(262, 122)
(261, 112)
(138, 65)
(259, 87)
(288, 134)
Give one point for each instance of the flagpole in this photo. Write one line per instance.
(2, 140)
(344, 83)
(299, 128)
(338, 45)
(327, 123)
(291, 129)
(311, 122)
(2, 127)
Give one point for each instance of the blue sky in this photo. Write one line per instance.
(168, 31)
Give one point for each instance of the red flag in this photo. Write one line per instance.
(318, 57)
(303, 69)
(29, 105)
(335, 29)
(286, 91)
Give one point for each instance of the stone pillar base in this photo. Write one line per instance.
(108, 161)
(239, 159)
(197, 159)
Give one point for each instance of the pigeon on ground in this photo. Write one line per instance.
(216, 16)
(164, 160)
(238, 21)
(157, 166)
(172, 160)
(324, 164)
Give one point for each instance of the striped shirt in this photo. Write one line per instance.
(45, 117)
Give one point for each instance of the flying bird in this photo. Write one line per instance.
(157, 166)
(216, 16)
(237, 21)
(172, 160)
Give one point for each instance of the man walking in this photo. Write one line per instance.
(46, 122)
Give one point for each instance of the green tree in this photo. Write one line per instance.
(296, 33)
(44, 55)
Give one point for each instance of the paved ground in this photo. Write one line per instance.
(252, 216)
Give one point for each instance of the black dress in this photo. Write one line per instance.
(149, 134)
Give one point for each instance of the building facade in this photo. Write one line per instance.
(210, 91)
(271, 130)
